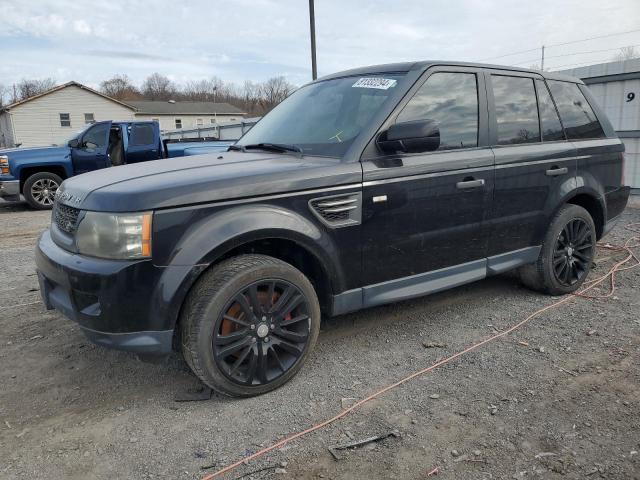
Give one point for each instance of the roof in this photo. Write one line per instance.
(183, 108)
(61, 87)
(607, 72)
(423, 65)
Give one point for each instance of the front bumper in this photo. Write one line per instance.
(117, 304)
(10, 189)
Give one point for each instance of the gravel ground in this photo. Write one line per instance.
(559, 398)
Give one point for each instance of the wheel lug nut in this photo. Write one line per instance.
(253, 327)
(264, 319)
(272, 326)
(266, 339)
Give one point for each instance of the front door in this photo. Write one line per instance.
(91, 154)
(423, 214)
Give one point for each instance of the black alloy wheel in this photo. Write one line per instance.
(262, 332)
(573, 252)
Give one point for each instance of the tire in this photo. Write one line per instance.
(566, 255)
(39, 190)
(221, 306)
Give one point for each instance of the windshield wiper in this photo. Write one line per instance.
(274, 147)
(235, 148)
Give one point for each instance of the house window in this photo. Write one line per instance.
(213, 121)
(88, 118)
(199, 122)
(65, 120)
(178, 123)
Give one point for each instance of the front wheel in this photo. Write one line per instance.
(40, 189)
(566, 255)
(249, 324)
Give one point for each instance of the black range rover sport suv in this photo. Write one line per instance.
(364, 187)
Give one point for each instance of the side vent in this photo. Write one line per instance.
(338, 210)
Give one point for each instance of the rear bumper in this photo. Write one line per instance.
(117, 304)
(10, 189)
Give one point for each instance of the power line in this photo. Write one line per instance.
(576, 53)
(560, 44)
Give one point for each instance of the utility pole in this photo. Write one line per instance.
(542, 61)
(312, 24)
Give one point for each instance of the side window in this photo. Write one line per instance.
(96, 137)
(516, 110)
(577, 116)
(65, 120)
(141, 134)
(551, 126)
(451, 99)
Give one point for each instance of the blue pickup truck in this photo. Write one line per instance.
(36, 173)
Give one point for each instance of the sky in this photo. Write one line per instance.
(237, 40)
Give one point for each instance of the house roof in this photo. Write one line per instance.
(183, 108)
(61, 87)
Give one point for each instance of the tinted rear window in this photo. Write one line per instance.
(551, 126)
(516, 110)
(577, 116)
(141, 135)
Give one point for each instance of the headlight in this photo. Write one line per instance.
(4, 164)
(115, 235)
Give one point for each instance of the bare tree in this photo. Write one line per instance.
(120, 88)
(158, 87)
(627, 53)
(4, 92)
(274, 91)
(29, 88)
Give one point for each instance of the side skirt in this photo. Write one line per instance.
(430, 282)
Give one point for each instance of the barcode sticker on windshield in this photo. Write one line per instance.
(375, 82)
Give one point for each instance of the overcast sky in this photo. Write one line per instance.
(89, 41)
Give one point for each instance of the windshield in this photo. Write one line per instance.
(324, 118)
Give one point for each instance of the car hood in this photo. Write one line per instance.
(28, 153)
(201, 179)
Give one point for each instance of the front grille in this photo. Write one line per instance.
(65, 217)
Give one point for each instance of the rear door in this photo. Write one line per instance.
(92, 152)
(144, 142)
(424, 212)
(534, 165)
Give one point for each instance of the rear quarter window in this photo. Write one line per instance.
(578, 118)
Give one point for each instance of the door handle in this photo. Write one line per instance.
(555, 171)
(470, 183)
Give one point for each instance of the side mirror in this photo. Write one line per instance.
(74, 143)
(410, 137)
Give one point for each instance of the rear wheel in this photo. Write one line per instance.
(567, 253)
(40, 189)
(249, 324)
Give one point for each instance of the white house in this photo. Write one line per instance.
(55, 115)
(174, 115)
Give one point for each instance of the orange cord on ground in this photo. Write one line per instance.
(628, 245)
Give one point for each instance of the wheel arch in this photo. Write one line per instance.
(266, 230)
(594, 205)
(26, 172)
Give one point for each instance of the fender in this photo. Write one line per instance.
(209, 236)
(39, 158)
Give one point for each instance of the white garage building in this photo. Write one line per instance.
(616, 87)
(55, 115)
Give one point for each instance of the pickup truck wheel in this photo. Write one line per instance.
(567, 253)
(40, 189)
(249, 324)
